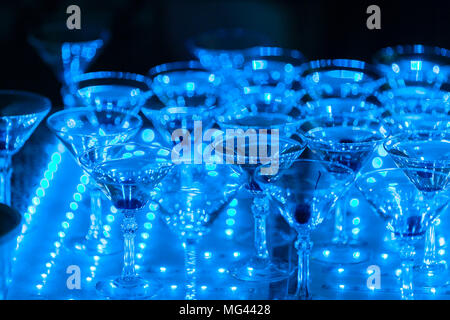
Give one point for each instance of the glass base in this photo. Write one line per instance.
(431, 276)
(94, 247)
(120, 289)
(260, 270)
(350, 253)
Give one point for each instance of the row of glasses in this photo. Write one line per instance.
(343, 126)
(417, 96)
(111, 101)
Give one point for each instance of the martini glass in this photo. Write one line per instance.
(348, 139)
(80, 129)
(339, 78)
(20, 114)
(127, 173)
(406, 209)
(185, 83)
(182, 125)
(414, 66)
(224, 52)
(113, 90)
(425, 150)
(267, 74)
(306, 191)
(249, 150)
(192, 196)
(417, 77)
(67, 52)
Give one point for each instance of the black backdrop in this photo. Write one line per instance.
(146, 33)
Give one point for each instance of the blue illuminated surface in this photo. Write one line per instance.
(57, 209)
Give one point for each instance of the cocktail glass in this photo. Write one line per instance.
(67, 52)
(80, 129)
(192, 196)
(248, 151)
(176, 124)
(348, 139)
(406, 207)
(414, 65)
(306, 192)
(269, 74)
(127, 173)
(339, 78)
(428, 150)
(185, 83)
(20, 114)
(223, 51)
(417, 77)
(113, 90)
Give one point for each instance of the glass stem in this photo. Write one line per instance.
(5, 180)
(129, 228)
(303, 246)
(430, 246)
(190, 264)
(260, 209)
(96, 226)
(407, 253)
(340, 222)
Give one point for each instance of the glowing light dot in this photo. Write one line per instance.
(73, 206)
(354, 203)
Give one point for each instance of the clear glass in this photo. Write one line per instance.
(349, 139)
(185, 83)
(261, 267)
(407, 210)
(126, 173)
(112, 90)
(306, 192)
(423, 149)
(192, 197)
(80, 129)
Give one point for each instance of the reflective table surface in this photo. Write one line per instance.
(50, 190)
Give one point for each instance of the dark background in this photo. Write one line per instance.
(146, 33)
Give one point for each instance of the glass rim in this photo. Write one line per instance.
(386, 55)
(42, 103)
(268, 52)
(378, 121)
(93, 109)
(389, 143)
(347, 170)
(113, 75)
(124, 144)
(293, 121)
(356, 65)
(361, 176)
(185, 65)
